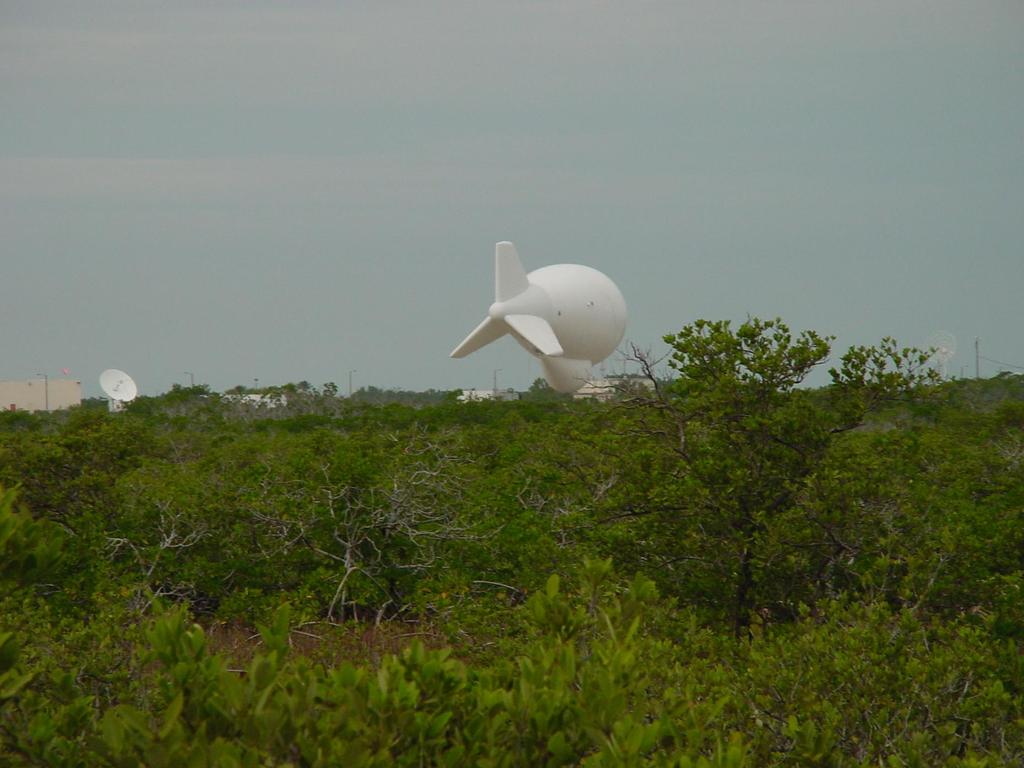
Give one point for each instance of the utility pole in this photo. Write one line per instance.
(977, 357)
(46, 391)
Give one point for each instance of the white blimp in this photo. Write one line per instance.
(566, 315)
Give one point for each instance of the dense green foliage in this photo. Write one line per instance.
(829, 576)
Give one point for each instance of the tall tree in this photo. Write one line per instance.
(746, 437)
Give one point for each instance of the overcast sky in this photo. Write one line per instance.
(290, 191)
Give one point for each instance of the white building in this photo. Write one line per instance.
(268, 400)
(612, 387)
(596, 389)
(474, 395)
(40, 394)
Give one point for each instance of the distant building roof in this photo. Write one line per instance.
(596, 389)
(471, 395)
(609, 388)
(272, 400)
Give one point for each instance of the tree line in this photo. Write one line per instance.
(728, 568)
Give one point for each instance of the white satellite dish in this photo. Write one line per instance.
(942, 346)
(568, 316)
(119, 387)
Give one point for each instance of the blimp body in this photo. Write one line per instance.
(567, 315)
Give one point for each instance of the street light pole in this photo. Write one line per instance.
(46, 391)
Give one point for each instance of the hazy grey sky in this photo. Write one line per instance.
(293, 190)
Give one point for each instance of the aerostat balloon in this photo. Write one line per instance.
(568, 316)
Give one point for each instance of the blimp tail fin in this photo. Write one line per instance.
(489, 330)
(537, 332)
(509, 275)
